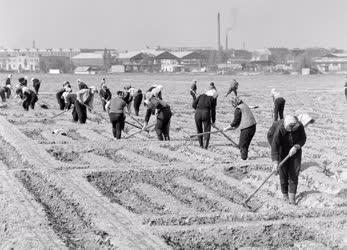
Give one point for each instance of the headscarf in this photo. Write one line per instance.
(291, 123)
(212, 92)
(275, 93)
(305, 119)
(235, 101)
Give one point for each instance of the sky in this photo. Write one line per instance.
(135, 24)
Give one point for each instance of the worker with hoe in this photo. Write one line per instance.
(245, 121)
(23, 81)
(84, 101)
(8, 86)
(81, 84)
(133, 95)
(36, 84)
(28, 96)
(59, 95)
(156, 105)
(205, 113)
(116, 111)
(288, 138)
(279, 103)
(346, 88)
(69, 98)
(233, 88)
(105, 93)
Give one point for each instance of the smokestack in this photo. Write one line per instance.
(226, 42)
(33, 44)
(218, 20)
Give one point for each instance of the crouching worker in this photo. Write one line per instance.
(8, 86)
(69, 98)
(59, 95)
(245, 121)
(28, 96)
(205, 112)
(84, 100)
(288, 139)
(162, 127)
(116, 107)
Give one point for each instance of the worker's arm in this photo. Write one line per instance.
(275, 110)
(79, 95)
(276, 145)
(195, 102)
(237, 118)
(213, 110)
(301, 135)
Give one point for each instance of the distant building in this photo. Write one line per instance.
(137, 61)
(95, 60)
(260, 61)
(117, 69)
(189, 60)
(332, 62)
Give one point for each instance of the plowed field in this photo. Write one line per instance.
(69, 186)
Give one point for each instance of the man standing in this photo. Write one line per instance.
(36, 84)
(279, 103)
(84, 100)
(243, 119)
(8, 86)
(205, 112)
(233, 88)
(59, 94)
(135, 95)
(346, 88)
(288, 139)
(164, 114)
(105, 93)
(115, 108)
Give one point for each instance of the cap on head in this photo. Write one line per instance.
(212, 92)
(127, 86)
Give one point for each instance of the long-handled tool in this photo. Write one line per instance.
(136, 120)
(134, 125)
(139, 131)
(234, 144)
(205, 133)
(59, 114)
(266, 179)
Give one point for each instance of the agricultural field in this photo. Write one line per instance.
(69, 186)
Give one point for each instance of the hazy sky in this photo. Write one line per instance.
(133, 24)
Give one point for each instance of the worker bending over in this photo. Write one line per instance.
(28, 96)
(59, 95)
(133, 95)
(288, 139)
(279, 103)
(193, 89)
(81, 84)
(205, 113)
(116, 108)
(245, 121)
(156, 105)
(84, 100)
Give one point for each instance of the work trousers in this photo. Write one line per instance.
(279, 108)
(203, 124)
(60, 100)
(103, 103)
(162, 127)
(246, 137)
(79, 112)
(37, 87)
(117, 120)
(346, 92)
(29, 100)
(289, 174)
(8, 91)
(137, 103)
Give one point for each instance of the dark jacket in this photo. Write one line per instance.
(105, 94)
(206, 102)
(163, 109)
(283, 140)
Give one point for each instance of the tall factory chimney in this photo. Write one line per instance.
(226, 41)
(34, 44)
(218, 20)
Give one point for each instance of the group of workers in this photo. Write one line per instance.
(286, 135)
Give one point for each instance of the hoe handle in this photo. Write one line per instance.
(226, 136)
(267, 178)
(206, 133)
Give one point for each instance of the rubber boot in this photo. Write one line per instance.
(292, 198)
(286, 198)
